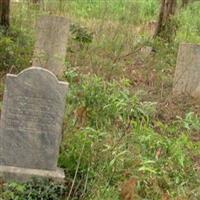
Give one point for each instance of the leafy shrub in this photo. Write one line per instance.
(81, 34)
(110, 110)
(108, 103)
(33, 190)
(15, 49)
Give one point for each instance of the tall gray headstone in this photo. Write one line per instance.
(187, 74)
(31, 125)
(51, 43)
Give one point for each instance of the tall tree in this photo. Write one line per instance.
(5, 13)
(167, 10)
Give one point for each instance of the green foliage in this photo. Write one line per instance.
(15, 49)
(80, 34)
(118, 126)
(110, 133)
(191, 121)
(71, 75)
(105, 193)
(123, 10)
(33, 190)
(168, 51)
(157, 155)
(189, 30)
(109, 103)
(169, 30)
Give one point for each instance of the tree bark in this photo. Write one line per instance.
(5, 13)
(36, 1)
(167, 10)
(184, 3)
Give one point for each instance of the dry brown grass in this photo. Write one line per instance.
(128, 189)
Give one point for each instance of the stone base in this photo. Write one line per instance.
(18, 174)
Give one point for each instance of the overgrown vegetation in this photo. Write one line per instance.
(33, 190)
(122, 127)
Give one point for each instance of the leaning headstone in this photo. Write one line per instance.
(187, 74)
(51, 43)
(31, 125)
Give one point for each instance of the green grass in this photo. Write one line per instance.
(120, 120)
(189, 24)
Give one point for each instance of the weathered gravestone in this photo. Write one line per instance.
(31, 125)
(51, 43)
(187, 74)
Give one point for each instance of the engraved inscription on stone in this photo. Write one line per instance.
(26, 116)
(31, 119)
(51, 43)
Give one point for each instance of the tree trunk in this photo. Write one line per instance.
(36, 1)
(167, 9)
(184, 3)
(5, 13)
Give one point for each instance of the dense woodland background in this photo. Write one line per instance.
(125, 136)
